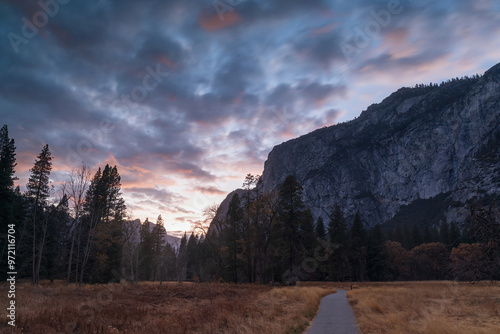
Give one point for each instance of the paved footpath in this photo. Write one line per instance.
(335, 316)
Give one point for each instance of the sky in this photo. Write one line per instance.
(187, 97)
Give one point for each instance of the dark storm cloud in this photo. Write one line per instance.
(324, 49)
(236, 74)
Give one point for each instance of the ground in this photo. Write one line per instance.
(166, 308)
(402, 307)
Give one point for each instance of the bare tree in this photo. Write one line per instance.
(75, 188)
(211, 228)
(131, 246)
(270, 202)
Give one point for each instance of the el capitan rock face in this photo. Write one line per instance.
(417, 143)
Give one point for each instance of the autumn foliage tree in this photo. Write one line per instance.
(399, 261)
(430, 261)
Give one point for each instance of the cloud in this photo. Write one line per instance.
(212, 21)
(157, 194)
(267, 72)
(210, 190)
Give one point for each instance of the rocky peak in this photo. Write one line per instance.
(416, 144)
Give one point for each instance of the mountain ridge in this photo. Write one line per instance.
(415, 144)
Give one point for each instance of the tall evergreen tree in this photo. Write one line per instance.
(407, 238)
(319, 229)
(306, 234)
(416, 237)
(7, 195)
(337, 230)
(193, 254)
(181, 260)
(105, 210)
(377, 257)
(290, 214)
(7, 162)
(38, 191)
(158, 235)
(357, 249)
(427, 235)
(234, 236)
(146, 251)
(454, 236)
(57, 240)
(444, 233)
(249, 223)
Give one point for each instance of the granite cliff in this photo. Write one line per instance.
(437, 146)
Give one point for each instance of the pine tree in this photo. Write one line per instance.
(434, 234)
(337, 229)
(105, 209)
(249, 228)
(416, 237)
(192, 257)
(57, 240)
(444, 233)
(454, 236)
(158, 235)
(146, 251)
(427, 235)
(234, 235)
(306, 234)
(7, 196)
(291, 210)
(320, 228)
(377, 258)
(407, 238)
(181, 260)
(7, 162)
(337, 226)
(38, 191)
(358, 248)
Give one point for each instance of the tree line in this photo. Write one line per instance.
(77, 236)
(85, 236)
(272, 237)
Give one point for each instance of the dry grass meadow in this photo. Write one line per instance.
(167, 308)
(427, 307)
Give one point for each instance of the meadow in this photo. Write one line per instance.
(166, 308)
(398, 307)
(438, 307)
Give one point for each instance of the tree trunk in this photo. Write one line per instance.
(71, 251)
(34, 239)
(40, 252)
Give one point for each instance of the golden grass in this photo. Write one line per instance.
(427, 307)
(167, 308)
